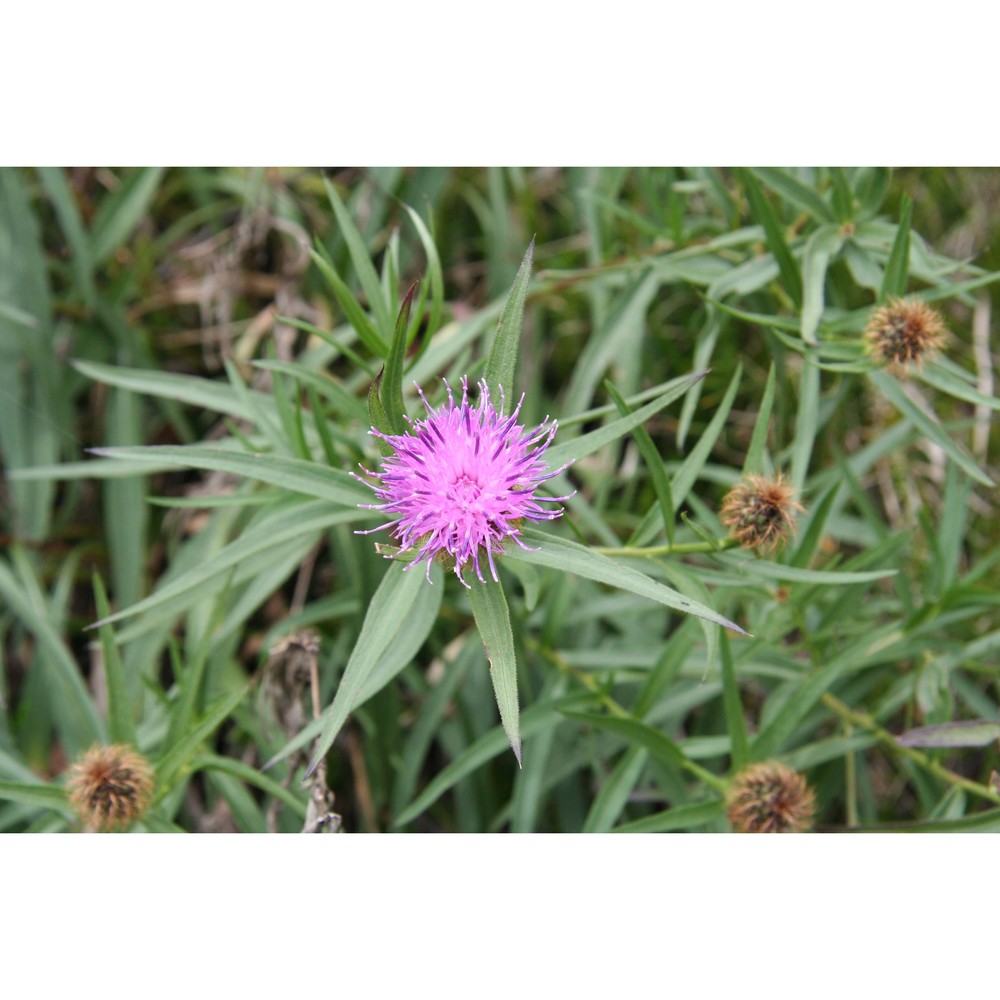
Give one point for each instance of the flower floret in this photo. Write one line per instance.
(463, 480)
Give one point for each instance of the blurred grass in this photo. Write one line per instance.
(231, 310)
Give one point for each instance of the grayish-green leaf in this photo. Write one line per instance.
(489, 608)
(561, 554)
(501, 365)
(388, 610)
(976, 733)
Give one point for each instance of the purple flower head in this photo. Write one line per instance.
(462, 480)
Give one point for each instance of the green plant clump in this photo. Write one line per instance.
(743, 577)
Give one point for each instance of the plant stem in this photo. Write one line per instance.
(591, 683)
(918, 758)
(678, 549)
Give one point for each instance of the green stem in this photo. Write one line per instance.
(591, 683)
(918, 758)
(678, 549)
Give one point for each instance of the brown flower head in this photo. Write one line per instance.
(903, 330)
(758, 512)
(110, 787)
(770, 798)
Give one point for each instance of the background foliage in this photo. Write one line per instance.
(236, 319)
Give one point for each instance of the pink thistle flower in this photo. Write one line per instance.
(463, 480)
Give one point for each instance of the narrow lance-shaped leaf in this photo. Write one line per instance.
(762, 211)
(392, 384)
(822, 246)
(976, 733)
(587, 444)
(928, 425)
(753, 465)
(436, 276)
(561, 554)
(733, 705)
(356, 316)
(502, 362)
(489, 608)
(361, 260)
(654, 463)
(121, 728)
(377, 415)
(177, 756)
(310, 478)
(898, 266)
(390, 606)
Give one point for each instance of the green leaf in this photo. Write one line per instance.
(779, 571)
(389, 608)
(361, 260)
(587, 444)
(379, 418)
(502, 363)
(927, 425)
(57, 188)
(489, 608)
(71, 704)
(121, 211)
(251, 776)
(356, 316)
(762, 211)
(292, 474)
(657, 743)
(183, 752)
(615, 790)
(212, 395)
(945, 381)
(121, 728)
(735, 721)
(897, 268)
(274, 531)
(976, 733)
(806, 425)
(753, 464)
(392, 385)
(686, 817)
(685, 477)
(29, 794)
(561, 554)
(436, 275)
(654, 463)
(492, 744)
(791, 188)
(821, 247)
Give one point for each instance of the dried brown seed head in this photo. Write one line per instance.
(904, 331)
(110, 787)
(770, 798)
(759, 512)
